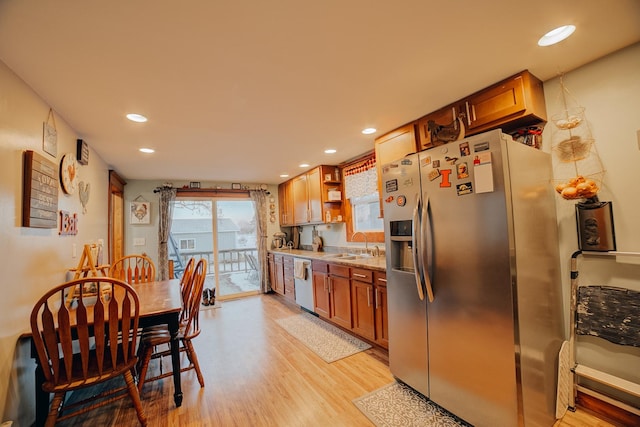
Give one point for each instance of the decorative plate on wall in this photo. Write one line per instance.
(69, 173)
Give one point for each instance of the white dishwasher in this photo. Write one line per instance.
(303, 283)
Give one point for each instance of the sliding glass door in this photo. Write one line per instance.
(223, 231)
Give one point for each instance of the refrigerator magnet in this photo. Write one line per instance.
(464, 188)
(444, 183)
(435, 164)
(463, 170)
(464, 149)
(433, 174)
(401, 200)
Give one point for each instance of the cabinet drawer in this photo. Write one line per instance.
(362, 275)
(320, 266)
(380, 278)
(339, 270)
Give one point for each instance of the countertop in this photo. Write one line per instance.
(372, 262)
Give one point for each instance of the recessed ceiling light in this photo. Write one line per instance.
(557, 35)
(304, 165)
(284, 175)
(369, 131)
(136, 117)
(330, 151)
(147, 150)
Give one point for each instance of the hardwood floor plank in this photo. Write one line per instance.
(256, 374)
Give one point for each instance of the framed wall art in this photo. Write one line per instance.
(140, 212)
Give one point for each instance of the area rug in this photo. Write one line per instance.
(397, 404)
(327, 341)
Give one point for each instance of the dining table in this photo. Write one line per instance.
(160, 304)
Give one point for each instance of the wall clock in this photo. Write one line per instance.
(69, 173)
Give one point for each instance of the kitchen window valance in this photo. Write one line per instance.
(361, 179)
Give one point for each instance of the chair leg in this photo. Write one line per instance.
(135, 397)
(191, 354)
(52, 417)
(145, 357)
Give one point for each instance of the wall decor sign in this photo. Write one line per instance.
(82, 152)
(39, 191)
(50, 135)
(140, 212)
(68, 224)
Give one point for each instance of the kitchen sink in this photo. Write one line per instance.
(347, 256)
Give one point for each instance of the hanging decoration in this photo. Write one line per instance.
(50, 135)
(83, 193)
(578, 170)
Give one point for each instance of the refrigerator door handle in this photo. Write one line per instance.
(415, 229)
(426, 247)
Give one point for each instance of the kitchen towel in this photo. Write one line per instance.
(299, 269)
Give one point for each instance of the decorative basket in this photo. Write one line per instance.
(569, 119)
(573, 148)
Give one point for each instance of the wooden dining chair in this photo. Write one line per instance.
(134, 269)
(86, 342)
(155, 339)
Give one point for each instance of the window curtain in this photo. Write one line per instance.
(260, 199)
(167, 196)
(360, 179)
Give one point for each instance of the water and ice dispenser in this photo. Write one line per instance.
(401, 246)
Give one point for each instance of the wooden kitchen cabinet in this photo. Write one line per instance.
(393, 146)
(320, 276)
(512, 103)
(332, 292)
(362, 303)
(340, 295)
(369, 305)
(278, 284)
(289, 279)
(444, 121)
(285, 203)
(380, 305)
(272, 269)
(307, 198)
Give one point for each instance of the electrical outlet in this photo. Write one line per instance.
(139, 241)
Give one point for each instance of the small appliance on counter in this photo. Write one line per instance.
(279, 240)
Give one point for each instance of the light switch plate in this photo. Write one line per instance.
(139, 241)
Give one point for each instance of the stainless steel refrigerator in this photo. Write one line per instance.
(473, 279)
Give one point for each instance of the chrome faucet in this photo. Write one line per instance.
(366, 244)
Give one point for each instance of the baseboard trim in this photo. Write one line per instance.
(607, 411)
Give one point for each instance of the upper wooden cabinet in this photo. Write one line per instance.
(393, 146)
(309, 197)
(512, 103)
(285, 202)
(446, 124)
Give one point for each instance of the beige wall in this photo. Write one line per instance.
(144, 189)
(609, 90)
(34, 260)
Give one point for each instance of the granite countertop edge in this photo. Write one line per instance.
(372, 263)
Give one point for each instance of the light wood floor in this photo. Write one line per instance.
(256, 374)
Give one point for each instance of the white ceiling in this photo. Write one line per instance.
(242, 91)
